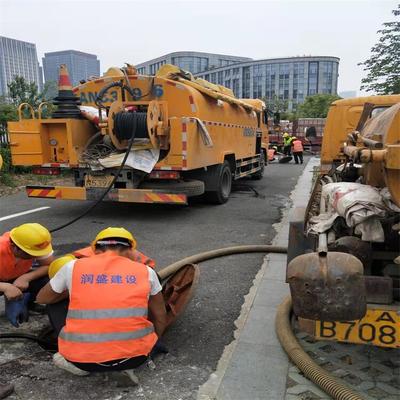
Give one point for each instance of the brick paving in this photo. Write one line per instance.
(373, 372)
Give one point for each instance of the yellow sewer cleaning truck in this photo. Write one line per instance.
(343, 254)
(145, 139)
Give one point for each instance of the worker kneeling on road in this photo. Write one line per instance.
(107, 325)
(21, 250)
(287, 144)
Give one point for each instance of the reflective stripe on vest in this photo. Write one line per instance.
(137, 256)
(10, 267)
(105, 337)
(297, 146)
(107, 315)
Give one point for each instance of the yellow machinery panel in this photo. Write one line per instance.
(42, 141)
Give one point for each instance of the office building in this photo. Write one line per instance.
(192, 61)
(291, 79)
(18, 58)
(80, 65)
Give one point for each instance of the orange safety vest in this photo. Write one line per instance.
(107, 313)
(137, 256)
(11, 267)
(297, 146)
(271, 154)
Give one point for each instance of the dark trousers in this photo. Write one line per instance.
(57, 313)
(298, 156)
(287, 150)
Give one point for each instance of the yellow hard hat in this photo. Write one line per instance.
(58, 263)
(115, 233)
(285, 134)
(33, 239)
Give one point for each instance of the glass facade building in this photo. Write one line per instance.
(18, 58)
(290, 79)
(192, 61)
(80, 65)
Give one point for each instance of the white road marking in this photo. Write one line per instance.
(23, 213)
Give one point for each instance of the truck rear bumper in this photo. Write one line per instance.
(120, 195)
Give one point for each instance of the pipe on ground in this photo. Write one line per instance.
(308, 367)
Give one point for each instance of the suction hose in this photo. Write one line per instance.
(226, 251)
(310, 369)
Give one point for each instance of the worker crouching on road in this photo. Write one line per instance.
(23, 248)
(110, 296)
(287, 144)
(297, 150)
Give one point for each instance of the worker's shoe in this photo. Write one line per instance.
(62, 363)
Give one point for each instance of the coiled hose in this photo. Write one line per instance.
(310, 369)
(307, 366)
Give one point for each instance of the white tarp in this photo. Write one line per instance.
(143, 160)
(362, 206)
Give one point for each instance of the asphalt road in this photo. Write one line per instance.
(167, 234)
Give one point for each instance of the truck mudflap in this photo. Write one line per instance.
(119, 195)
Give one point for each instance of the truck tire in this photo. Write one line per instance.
(259, 174)
(189, 187)
(221, 178)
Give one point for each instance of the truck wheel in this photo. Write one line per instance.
(223, 176)
(189, 187)
(260, 173)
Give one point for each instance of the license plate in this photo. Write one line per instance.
(98, 181)
(378, 327)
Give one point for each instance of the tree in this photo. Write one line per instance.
(21, 91)
(276, 104)
(316, 106)
(8, 112)
(383, 66)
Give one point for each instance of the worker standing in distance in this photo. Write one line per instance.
(297, 150)
(287, 144)
(107, 325)
(23, 248)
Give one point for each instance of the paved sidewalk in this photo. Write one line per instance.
(254, 366)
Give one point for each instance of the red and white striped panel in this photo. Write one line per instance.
(56, 165)
(184, 143)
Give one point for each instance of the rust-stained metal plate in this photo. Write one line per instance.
(178, 290)
(327, 288)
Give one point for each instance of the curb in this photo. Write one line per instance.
(254, 365)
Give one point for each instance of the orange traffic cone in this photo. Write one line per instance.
(66, 102)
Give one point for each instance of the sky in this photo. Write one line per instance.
(136, 31)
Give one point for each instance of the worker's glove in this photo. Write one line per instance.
(17, 310)
(159, 348)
